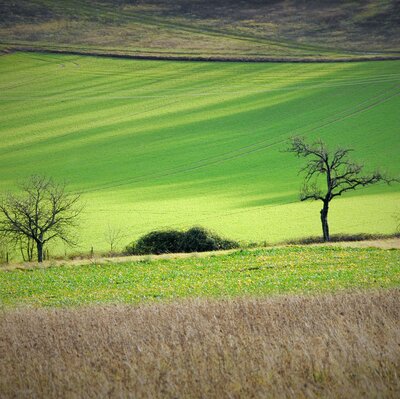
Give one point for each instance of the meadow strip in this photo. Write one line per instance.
(246, 272)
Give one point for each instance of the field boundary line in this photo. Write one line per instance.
(189, 58)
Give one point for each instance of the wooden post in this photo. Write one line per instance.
(91, 252)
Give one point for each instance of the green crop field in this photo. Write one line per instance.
(242, 273)
(154, 144)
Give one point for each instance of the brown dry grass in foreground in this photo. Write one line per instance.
(342, 345)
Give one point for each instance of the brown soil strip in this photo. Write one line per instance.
(205, 58)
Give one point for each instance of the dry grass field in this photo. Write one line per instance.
(250, 29)
(343, 345)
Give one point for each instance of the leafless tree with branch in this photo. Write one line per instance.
(340, 174)
(113, 237)
(44, 211)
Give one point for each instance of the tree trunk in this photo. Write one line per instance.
(39, 246)
(324, 221)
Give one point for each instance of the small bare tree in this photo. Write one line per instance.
(44, 211)
(339, 173)
(113, 237)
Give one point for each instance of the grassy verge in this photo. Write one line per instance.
(241, 273)
(342, 238)
(343, 345)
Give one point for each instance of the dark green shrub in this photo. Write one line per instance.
(158, 242)
(199, 239)
(196, 239)
(130, 249)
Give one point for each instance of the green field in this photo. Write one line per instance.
(242, 273)
(154, 144)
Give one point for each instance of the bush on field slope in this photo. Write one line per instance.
(196, 239)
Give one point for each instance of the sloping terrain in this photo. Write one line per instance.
(252, 29)
(153, 144)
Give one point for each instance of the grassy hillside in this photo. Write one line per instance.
(251, 29)
(155, 144)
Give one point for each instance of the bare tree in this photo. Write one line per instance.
(44, 211)
(338, 172)
(113, 236)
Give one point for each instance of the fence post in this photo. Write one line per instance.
(7, 257)
(91, 252)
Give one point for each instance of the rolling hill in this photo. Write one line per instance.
(218, 29)
(154, 144)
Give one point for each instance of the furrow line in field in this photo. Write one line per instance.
(237, 153)
(58, 97)
(16, 147)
